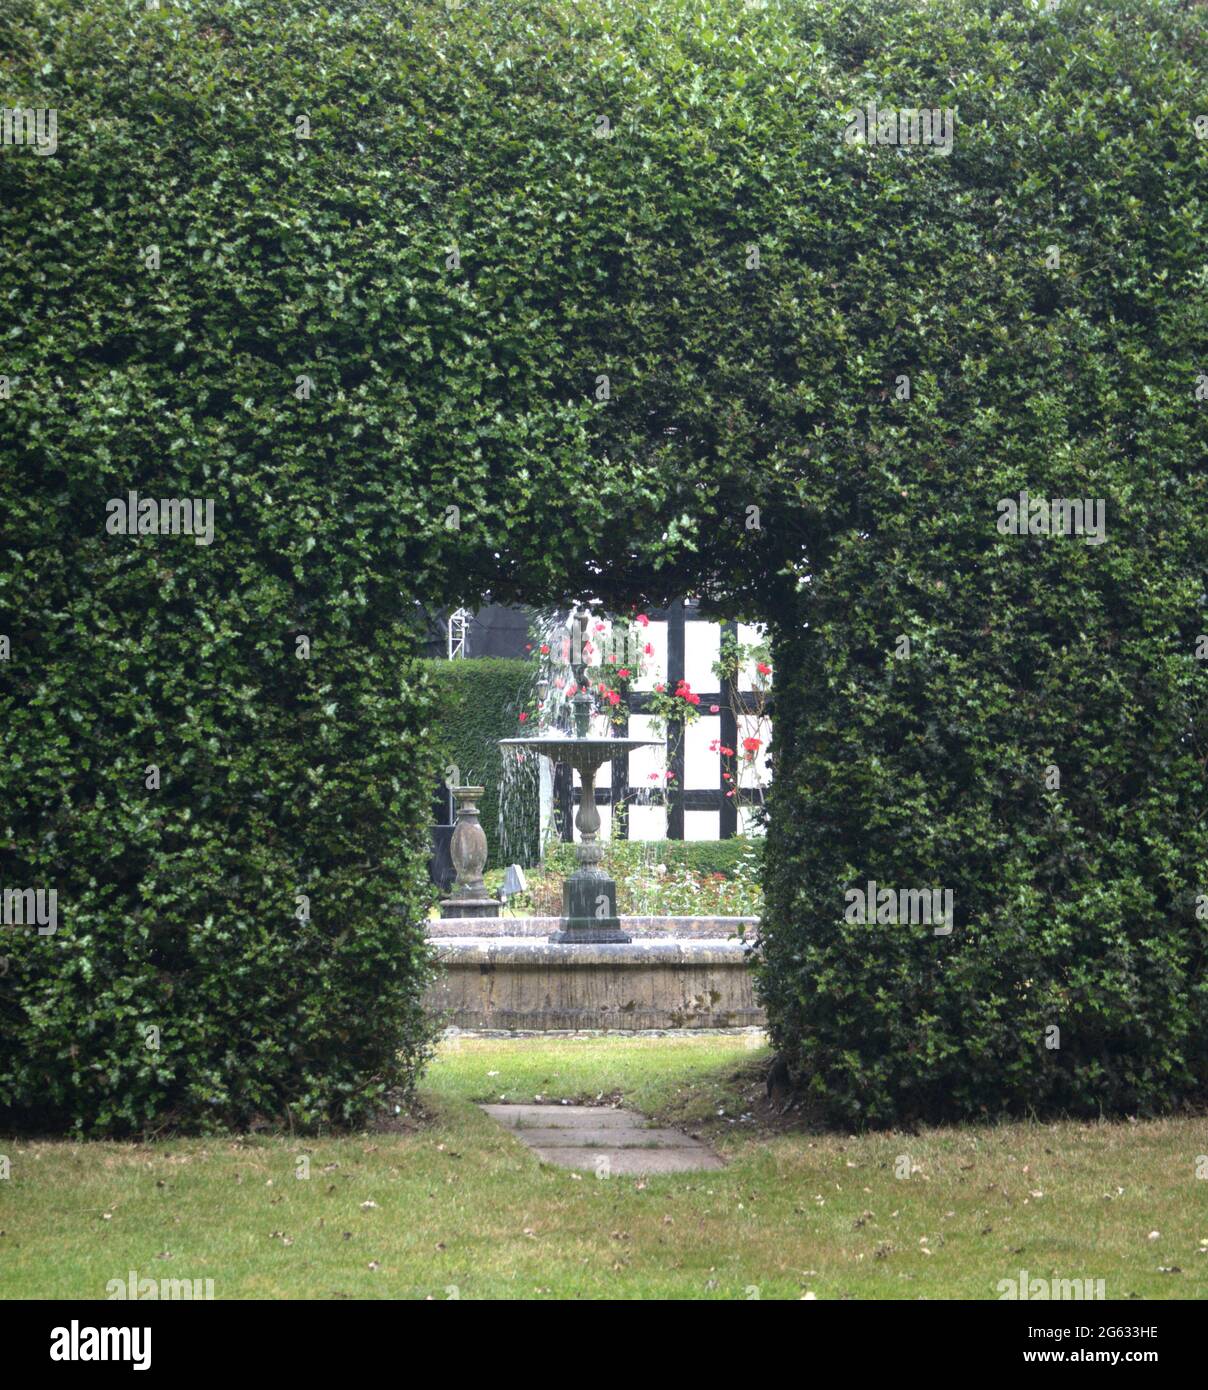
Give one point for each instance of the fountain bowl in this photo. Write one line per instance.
(589, 895)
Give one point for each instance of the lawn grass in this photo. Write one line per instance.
(463, 1210)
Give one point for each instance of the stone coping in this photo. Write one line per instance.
(755, 1034)
(521, 952)
(655, 927)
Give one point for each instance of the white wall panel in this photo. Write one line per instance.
(702, 645)
(701, 825)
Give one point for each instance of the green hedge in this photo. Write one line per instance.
(455, 259)
(1075, 977)
(479, 701)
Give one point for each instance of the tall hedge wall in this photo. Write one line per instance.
(478, 702)
(600, 298)
(1040, 746)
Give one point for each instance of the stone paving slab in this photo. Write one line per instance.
(563, 1116)
(610, 1137)
(602, 1139)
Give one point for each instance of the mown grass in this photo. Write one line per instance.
(460, 1209)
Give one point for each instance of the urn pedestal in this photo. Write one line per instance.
(468, 850)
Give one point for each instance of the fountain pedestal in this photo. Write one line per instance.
(589, 895)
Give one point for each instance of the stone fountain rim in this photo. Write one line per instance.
(537, 952)
(572, 740)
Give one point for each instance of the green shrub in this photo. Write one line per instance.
(1075, 977)
(663, 878)
(479, 701)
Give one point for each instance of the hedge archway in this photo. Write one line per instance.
(427, 300)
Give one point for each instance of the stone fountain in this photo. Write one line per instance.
(589, 895)
(581, 970)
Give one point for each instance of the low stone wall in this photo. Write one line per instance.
(531, 984)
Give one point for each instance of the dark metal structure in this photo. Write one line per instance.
(681, 799)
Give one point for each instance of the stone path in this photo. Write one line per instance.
(602, 1140)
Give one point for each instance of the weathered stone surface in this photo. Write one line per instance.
(602, 1140)
(678, 927)
(566, 1117)
(527, 983)
(607, 1136)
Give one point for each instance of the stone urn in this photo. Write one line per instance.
(468, 850)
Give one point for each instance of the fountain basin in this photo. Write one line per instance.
(589, 895)
(525, 983)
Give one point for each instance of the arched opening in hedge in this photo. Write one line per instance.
(431, 301)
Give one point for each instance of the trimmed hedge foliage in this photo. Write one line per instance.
(545, 358)
(478, 702)
(1040, 748)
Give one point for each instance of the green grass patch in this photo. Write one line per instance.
(453, 1206)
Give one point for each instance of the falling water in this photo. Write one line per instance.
(519, 800)
(520, 780)
(520, 770)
